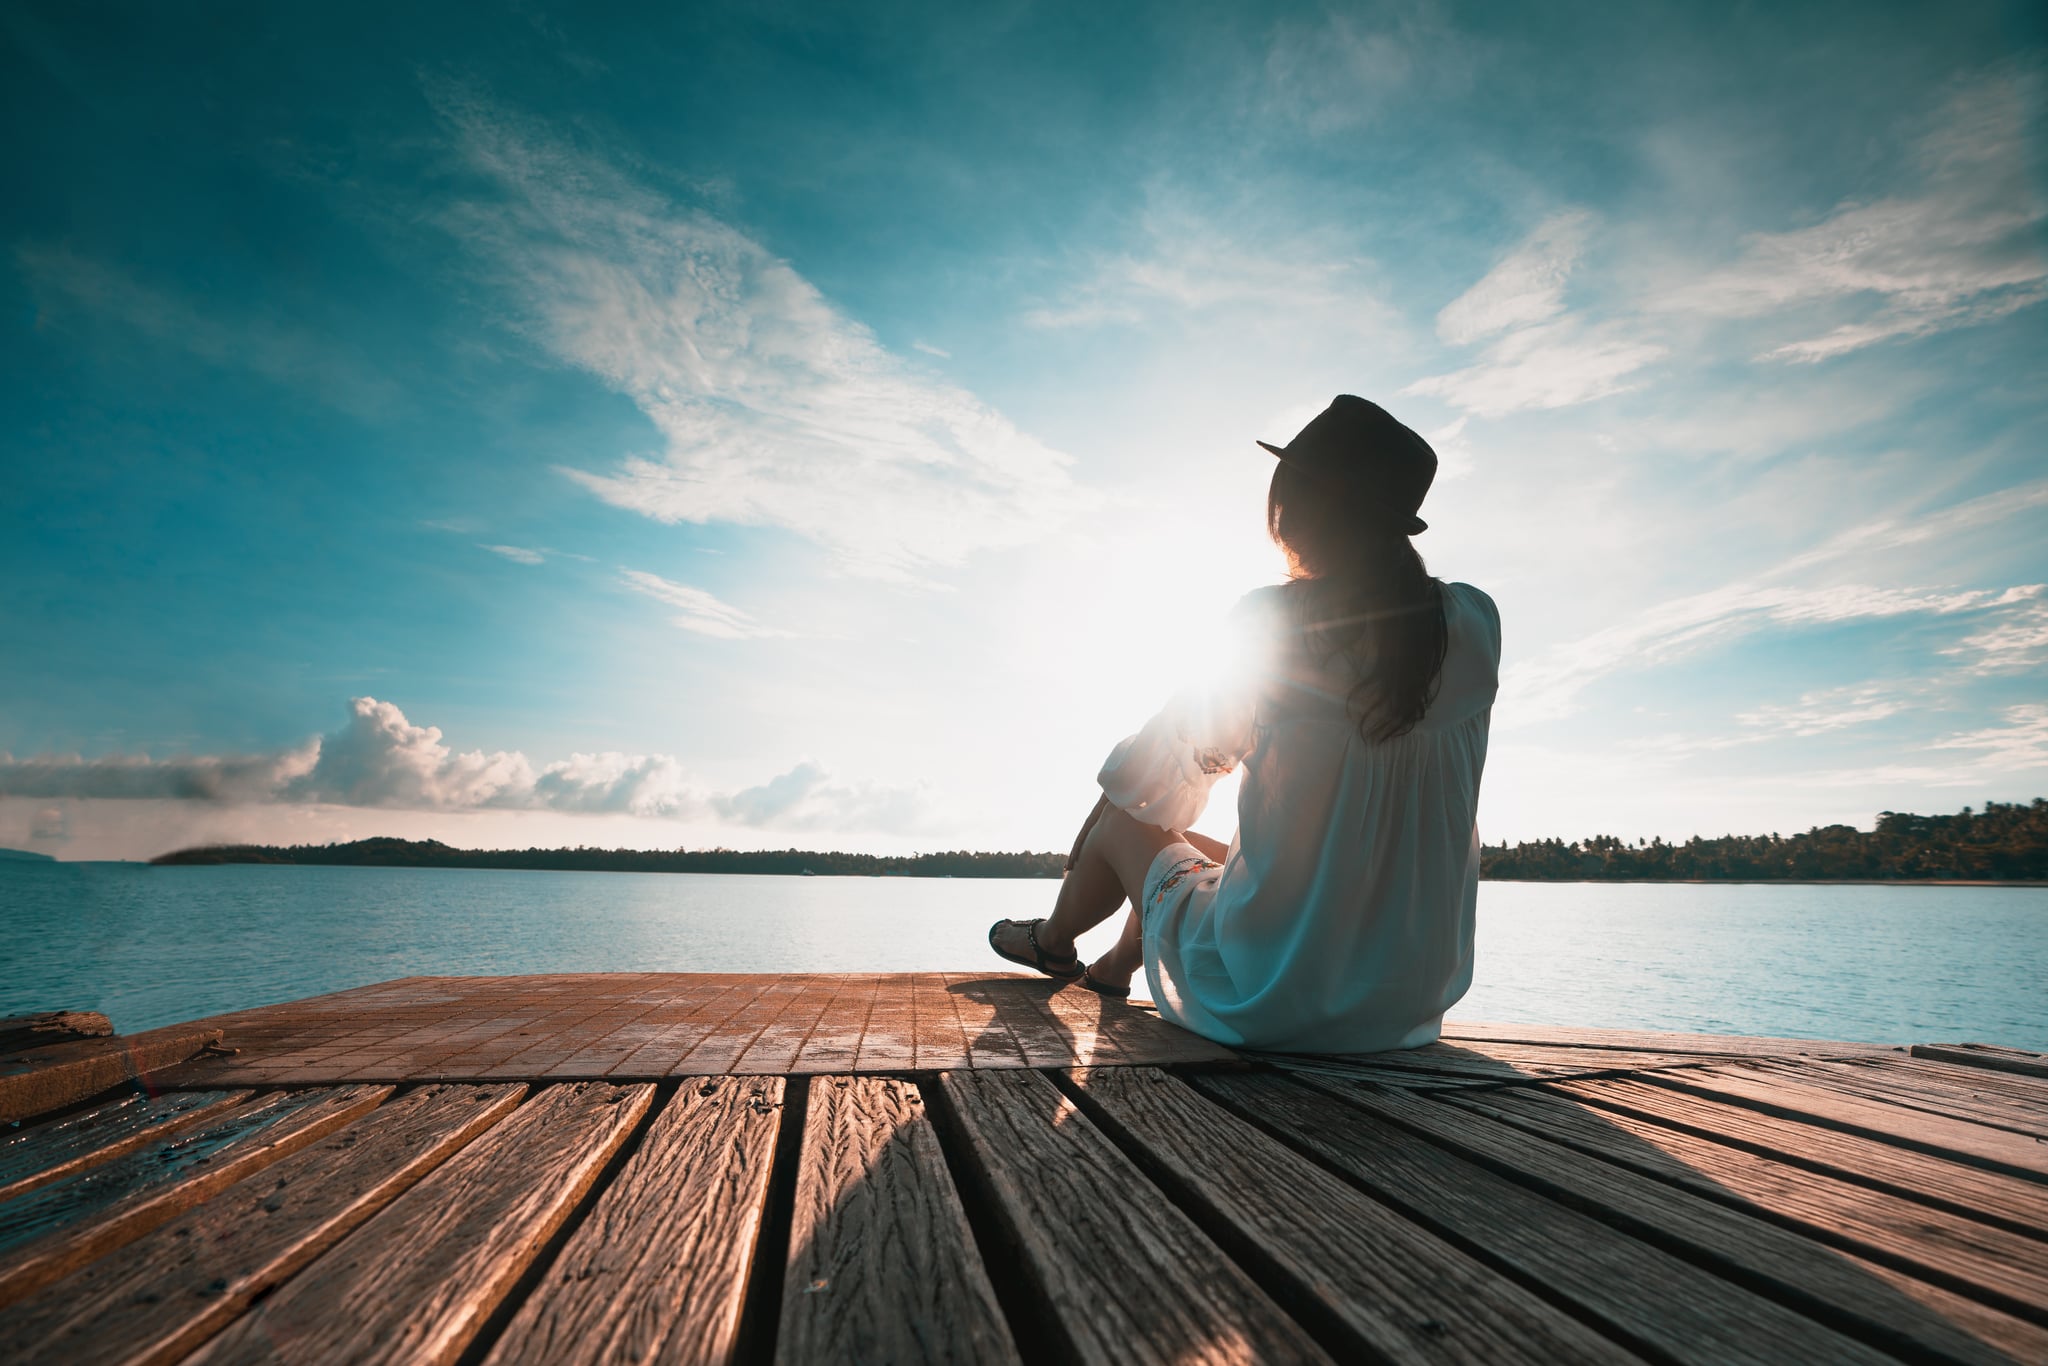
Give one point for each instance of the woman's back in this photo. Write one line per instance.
(1342, 920)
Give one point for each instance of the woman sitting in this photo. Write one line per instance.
(1357, 697)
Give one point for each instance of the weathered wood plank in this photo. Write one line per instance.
(64, 1147)
(882, 1264)
(419, 1280)
(1956, 1139)
(1986, 1055)
(19, 1033)
(163, 1295)
(776, 1049)
(715, 1053)
(1121, 1275)
(40, 1080)
(1650, 1299)
(56, 1228)
(657, 1270)
(1400, 1292)
(834, 1046)
(1502, 1062)
(941, 1039)
(1931, 1095)
(1653, 1040)
(2007, 1201)
(1621, 1174)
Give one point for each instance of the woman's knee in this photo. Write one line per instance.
(1128, 845)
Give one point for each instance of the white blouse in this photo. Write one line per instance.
(1341, 921)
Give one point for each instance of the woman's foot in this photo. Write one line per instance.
(1031, 943)
(1104, 978)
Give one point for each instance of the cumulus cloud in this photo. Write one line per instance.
(773, 407)
(1526, 287)
(697, 610)
(381, 759)
(1964, 248)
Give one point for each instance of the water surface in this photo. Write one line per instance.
(152, 946)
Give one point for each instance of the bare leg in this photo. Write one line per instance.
(1108, 869)
(1117, 967)
(1214, 850)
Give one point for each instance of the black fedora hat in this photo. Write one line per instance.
(1359, 447)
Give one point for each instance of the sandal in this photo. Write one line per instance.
(1101, 988)
(1038, 960)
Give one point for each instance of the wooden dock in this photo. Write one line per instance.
(979, 1167)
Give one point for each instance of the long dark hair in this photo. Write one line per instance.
(1366, 596)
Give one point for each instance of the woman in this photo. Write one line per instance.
(1339, 920)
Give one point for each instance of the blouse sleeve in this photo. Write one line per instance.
(1162, 775)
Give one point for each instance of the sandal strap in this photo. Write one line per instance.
(1038, 950)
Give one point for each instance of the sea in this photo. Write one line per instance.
(153, 946)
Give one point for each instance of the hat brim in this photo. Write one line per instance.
(1269, 446)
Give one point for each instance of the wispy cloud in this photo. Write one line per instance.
(64, 283)
(1830, 709)
(697, 610)
(1548, 686)
(1527, 286)
(381, 759)
(518, 554)
(774, 408)
(1541, 356)
(1964, 248)
(2017, 644)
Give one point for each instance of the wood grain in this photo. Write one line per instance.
(882, 1264)
(657, 1271)
(1986, 1055)
(36, 1081)
(58, 1227)
(64, 1147)
(418, 1281)
(22, 1032)
(1934, 1095)
(2005, 1201)
(1614, 1172)
(1119, 1274)
(1647, 1297)
(1400, 1291)
(1956, 1139)
(163, 1295)
(1655, 1040)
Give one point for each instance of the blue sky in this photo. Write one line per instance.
(828, 425)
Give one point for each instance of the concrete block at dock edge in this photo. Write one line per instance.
(38, 1080)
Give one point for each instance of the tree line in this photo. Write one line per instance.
(385, 852)
(2004, 842)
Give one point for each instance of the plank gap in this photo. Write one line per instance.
(1026, 1305)
(761, 1311)
(494, 1327)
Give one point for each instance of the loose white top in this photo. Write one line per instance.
(1341, 921)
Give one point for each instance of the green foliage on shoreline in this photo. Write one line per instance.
(397, 853)
(2004, 842)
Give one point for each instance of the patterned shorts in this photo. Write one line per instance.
(1176, 872)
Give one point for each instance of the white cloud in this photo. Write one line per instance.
(1830, 709)
(1547, 686)
(2015, 645)
(697, 610)
(1526, 287)
(379, 759)
(806, 798)
(774, 408)
(519, 554)
(931, 350)
(1550, 365)
(1187, 264)
(1964, 249)
(1998, 754)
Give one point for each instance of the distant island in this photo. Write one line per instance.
(25, 856)
(2004, 842)
(397, 853)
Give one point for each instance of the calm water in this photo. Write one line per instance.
(152, 946)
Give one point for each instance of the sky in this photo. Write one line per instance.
(774, 424)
